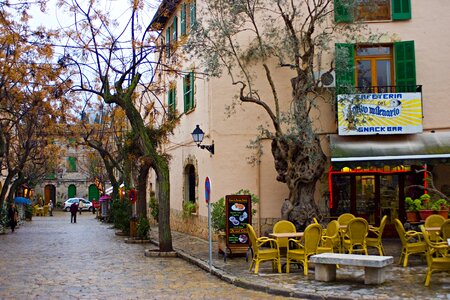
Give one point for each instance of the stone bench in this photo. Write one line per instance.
(374, 265)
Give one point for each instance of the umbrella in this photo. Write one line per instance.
(22, 200)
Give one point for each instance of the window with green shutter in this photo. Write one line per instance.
(192, 13)
(171, 103)
(175, 29)
(372, 68)
(345, 68)
(72, 164)
(71, 191)
(188, 89)
(405, 66)
(168, 42)
(401, 9)
(346, 11)
(183, 20)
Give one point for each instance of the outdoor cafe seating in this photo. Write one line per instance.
(412, 242)
(354, 238)
(376, 242)
(299, 251)
(264, 249)
(437, 260)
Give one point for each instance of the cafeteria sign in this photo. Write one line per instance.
(238, 214)
(384, 113)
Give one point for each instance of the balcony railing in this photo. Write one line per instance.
(380, 89)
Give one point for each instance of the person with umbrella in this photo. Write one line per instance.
(12, 214)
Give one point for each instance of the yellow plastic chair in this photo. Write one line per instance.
(264, 249)
(300, 251)
(35, 207)
(45, 210)
(344, 219)
(331, 240)
(412, 242)
(376, 242)
(283, 226)
(355, 236)
(434, 221)
(435, 261)
(445, 230)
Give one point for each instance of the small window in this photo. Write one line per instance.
(71, 164)
(183, 19)
(171, 103)
(175, 29)
(188, 88)
(374, 71)
(192, 13)
(373, 10)
(168, 42)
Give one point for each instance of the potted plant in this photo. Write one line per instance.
(143, 228)
(218, 217)
(28, 212)
(441, 207)
(189, 208)
(425, 209)
(412, 207)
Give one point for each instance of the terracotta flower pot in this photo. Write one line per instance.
(412, 216)
(443, 212)
(425, 213)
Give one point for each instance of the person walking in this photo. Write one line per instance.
(81, 205)
(12, 214)
(73, 212)
(50, 208)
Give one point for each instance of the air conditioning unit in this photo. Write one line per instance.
(327, 79)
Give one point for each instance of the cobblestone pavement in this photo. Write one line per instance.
(401, 283)
(49, 258)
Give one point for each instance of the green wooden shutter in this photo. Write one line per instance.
(71, 191)
(185, 93)
(405, 66)
(193, 13)
(342, 11)
(168, 42)
(171, 102)
(183, 20)
(191, 96)
(175, 29)
(345, 68)
(72, 164)
(401, 9)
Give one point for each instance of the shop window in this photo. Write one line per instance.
(371, 10)
(188, 89)
(375, 68)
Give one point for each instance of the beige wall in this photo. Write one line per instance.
(228, 168)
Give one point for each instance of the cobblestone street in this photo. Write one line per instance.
(50, 258)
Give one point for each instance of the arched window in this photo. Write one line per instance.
(190, 183)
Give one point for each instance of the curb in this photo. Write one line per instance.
(240, 282)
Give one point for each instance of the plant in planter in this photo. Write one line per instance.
(425, 209)
(412, 207)
(143, 228)
(441, 207)
(28, 212)
(189, 208)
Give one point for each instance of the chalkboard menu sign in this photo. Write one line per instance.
(239, 214)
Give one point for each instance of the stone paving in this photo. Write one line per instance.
(401, 283)
(49, 258)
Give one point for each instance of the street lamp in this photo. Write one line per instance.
(197, 136)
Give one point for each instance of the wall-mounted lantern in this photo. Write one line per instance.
(197, 136)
